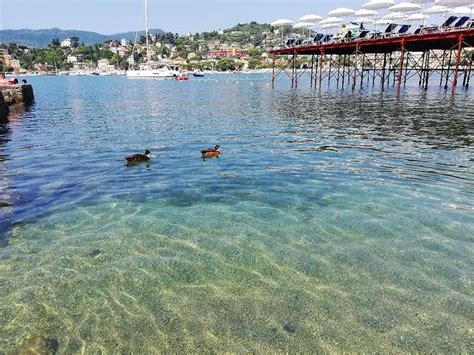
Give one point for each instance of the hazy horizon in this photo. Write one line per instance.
(180, 16)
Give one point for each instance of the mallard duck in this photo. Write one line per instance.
(211, 152)
(137, 158)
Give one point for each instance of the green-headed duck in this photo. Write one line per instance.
(137, 158)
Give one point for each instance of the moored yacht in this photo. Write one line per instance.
(150, 69)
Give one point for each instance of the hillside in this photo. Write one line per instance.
(41, 38)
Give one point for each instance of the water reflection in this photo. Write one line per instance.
(433, 120)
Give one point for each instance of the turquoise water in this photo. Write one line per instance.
(333, 221)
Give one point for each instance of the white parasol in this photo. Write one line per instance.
(454, 3)
(405, 7)
(310, 18)
(341, 12)
(378, 4)
(282, 23)
(332, 20)
(366, 13)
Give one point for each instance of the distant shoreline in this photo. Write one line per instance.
(255, 71)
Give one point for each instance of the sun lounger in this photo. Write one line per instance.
(403, 30)
(318, 38)
(461, 22)
(389, 30)
(448, 23)
(364, 34)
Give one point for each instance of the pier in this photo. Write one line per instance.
(389, 61)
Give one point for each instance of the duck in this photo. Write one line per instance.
(137, 158)
(211, 152)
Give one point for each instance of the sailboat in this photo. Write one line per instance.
(149, 69)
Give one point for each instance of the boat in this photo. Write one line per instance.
(147, 71)
(150, 69)
(198, 75)
(181, 77)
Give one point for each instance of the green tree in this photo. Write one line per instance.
(227, 64)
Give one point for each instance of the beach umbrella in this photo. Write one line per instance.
(421, 1)
(416, 18)
(462, 10)
(300, 25)
(341, 12)
(405, 7)
(303, 26)
(282, 23)
(330, 25)
(366, 13)
(332, 20)
(454, 3)
(310, 18)
(433, 10)
(425, 2)
(364, 20)
(395, 16)
(378, 4)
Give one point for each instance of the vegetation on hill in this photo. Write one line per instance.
(41, 38)
(192, 50)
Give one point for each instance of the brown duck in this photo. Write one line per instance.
(211, 152)
(137, 158)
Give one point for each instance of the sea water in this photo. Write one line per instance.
(334, 220)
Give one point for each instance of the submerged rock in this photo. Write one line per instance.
(38, 345)
(95, 253)
(289, 328)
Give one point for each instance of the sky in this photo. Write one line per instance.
(178, 16)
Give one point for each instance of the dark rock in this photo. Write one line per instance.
(289, 328)
(38, 345)
(17, 94)
(3, 110)
(95, 253)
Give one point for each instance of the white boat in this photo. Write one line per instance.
(148, 70)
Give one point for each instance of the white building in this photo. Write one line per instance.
(72, 59)
(104, 65)
(124, 42)
(66, 43)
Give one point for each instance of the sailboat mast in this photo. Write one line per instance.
(146, 30)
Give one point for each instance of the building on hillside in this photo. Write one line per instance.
(104, 65)
(66, 43)
(15, 64)
(43, 68)
(122, 52)
(124, 42)
(70, 42)
(71, 59)
(178, 61)
(81, 66)
(228, 53)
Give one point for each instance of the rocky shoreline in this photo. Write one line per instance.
(14, 95)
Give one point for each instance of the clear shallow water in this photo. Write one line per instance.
(334, 220)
